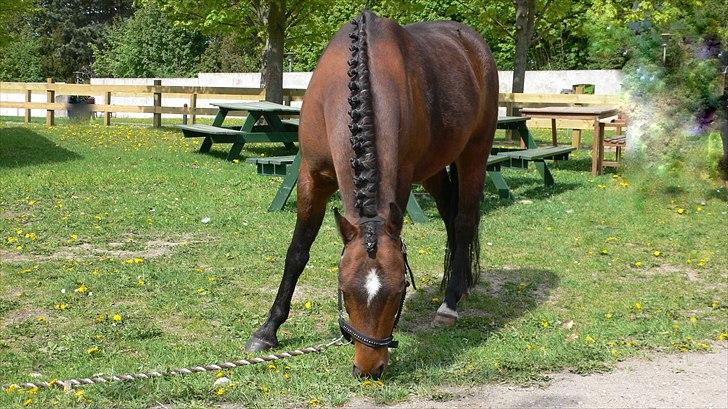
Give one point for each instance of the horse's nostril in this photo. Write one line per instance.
(377, 373)
(355, 372)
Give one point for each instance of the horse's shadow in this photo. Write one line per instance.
(502, 296)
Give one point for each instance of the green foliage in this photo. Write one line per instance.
(68, 29)
(11, 11)
(228, 53)
(148, 45)
(21, 60)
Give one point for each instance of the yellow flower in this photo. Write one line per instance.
(12, 388)
(141, 282)
(638, 264)
(715, 304)
(638, 306)
(608, 315)
(286, 376)
(313, 402)
(307, 305)
(73, 237)
(236, 160)
(19, 232)
(588, 339)
(92, 350)
(220, 391)
(31, 236)
(82, 289)
(32, 391)
(138, 260)
(27, 402)
(379, 382)
(699, 209)
(12, 239)
(656, 253)
(79, 394)
(722, 337)
(100, 318)
(675, 326)
(61, 306)
(116, 318)
(41, 318)
(545, 323)
(219, 374)
(693, 319)
(680, 210)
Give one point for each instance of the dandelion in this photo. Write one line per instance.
(693, 319)
(545, 324)
(680, 210)
(93, 350)
(12, 388)
(19, 232)
(201, 291)
(73, 237)
(638, 306)
(605, 252)
(141, 282)
(699, 209)
(313, 402)
(236, 161)
(61, 306)
(675, 326)
(656, 253)
(379, 383)
(138, 260)
(41, 318)
(715, 304)
(100, 318)
(116, 318)
(31, 236)
(638, 264)
(27, 402)
(588, 339)
(307, 305)
(286, 376)
(220, 391)
(12, 239)
(82, 289)
(608, 315)
(723, 336)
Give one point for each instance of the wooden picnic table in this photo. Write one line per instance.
(275, 128)
(592, 113)
(288, 166)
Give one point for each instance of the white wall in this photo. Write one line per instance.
(607, 82)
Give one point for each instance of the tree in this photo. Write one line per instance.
(148, 45)
(67, 29)
(21, 59)
(10, 12)
(266, 21)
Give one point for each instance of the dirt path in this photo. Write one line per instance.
(695, 380)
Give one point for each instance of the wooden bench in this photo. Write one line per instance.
(283, 165)
(520, 158)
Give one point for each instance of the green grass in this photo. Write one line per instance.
(571, 280)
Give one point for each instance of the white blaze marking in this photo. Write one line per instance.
(372, 285)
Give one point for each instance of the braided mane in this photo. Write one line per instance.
(364, 162)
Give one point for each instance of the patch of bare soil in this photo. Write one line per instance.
(18, 316)
(690, 273)
(694, 380)
(153, 248)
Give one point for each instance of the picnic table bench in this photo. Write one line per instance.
(275, 128)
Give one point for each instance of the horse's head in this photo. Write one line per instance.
(372, 286)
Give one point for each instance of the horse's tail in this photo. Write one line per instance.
(361, 126)
(472, 268)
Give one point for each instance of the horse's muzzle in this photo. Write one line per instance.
(376, 374)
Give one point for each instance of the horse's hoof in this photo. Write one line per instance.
(442, 321)
(256, 344)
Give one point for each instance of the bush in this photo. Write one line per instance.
(20, 61)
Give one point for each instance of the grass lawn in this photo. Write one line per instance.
(107, 267)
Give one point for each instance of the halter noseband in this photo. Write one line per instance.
(350, 333)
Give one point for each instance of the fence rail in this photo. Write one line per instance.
(158, 92)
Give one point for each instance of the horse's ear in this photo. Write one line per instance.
(395, 220)
(347, 230)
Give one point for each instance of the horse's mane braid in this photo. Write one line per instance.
(364, 161)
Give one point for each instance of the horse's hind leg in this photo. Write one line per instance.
(313, 194)
(462, 262)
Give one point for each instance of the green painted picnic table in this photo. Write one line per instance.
(288, 166)
(275, 128)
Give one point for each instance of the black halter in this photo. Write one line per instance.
(350, 333)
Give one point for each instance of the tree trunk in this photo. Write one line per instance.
(723, 164)
(273, 53)
(525, 22)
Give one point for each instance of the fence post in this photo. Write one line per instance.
(28, 98)
(193, 106)
(50, 98)
(157, 120)
(107, 114)
(184, 115)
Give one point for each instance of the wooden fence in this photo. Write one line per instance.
(159, 92)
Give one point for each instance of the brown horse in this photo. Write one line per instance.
(389, 106)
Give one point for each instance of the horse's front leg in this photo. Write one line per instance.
(313, 194)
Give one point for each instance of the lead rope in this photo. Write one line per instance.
(71, 383)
